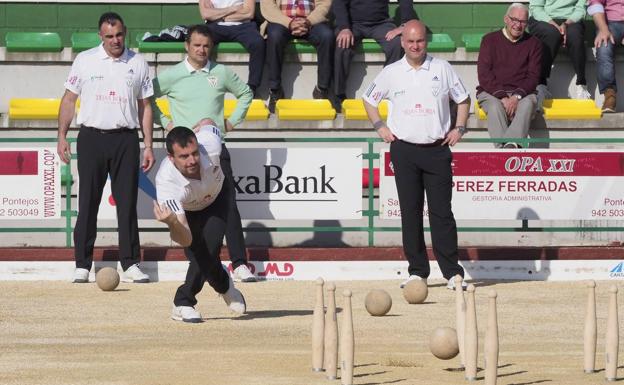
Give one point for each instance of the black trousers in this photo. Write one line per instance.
(248, 35)
(321, 36)
(552, 41)
(344, 56)
(208, 228)
(420, 170)
(99, 155)
(234, 230)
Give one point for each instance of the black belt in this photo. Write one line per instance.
(437, 143)
(110, 131)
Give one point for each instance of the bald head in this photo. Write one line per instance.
(415, 25)
(414, 42)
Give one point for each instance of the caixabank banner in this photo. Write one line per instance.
(526, 184)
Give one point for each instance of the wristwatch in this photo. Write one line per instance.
(462, 129)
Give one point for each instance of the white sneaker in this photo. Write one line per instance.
(243, 274)
(411, 278)
(134, 275)
(234, 299)
(185, 314)
(451, 284)
(81, 276)
(580, 92)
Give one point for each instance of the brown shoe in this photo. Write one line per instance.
(610, 101)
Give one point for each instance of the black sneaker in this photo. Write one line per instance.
(337, 102)
(319, 93)
(274, 96)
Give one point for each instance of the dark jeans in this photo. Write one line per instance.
(321, 36)
(248, 35)
(208, 228)
(420, 170)
(101, 154)
(552, 41)
(605, 58)
(234, 231)
(344, 56)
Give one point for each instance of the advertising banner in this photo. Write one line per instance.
(526, 184)
(31, 183)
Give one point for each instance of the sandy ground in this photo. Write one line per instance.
(63, 333)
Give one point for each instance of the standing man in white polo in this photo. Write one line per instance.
(114, 87)
(419, 131)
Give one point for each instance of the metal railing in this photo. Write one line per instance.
(370, 212)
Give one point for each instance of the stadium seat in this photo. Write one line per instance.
(300, 46)
(369, 46)
(305, 109)
(555, 109)
(34, 109)
(82, 41)
(366, 179)
(560, 109)
(33, 42)
(440, 42)
(353, 109)
(472, 41)
(257, 110)
(159, 47)
(230, 47)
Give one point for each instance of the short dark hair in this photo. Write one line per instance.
(181, 136)
(110, 18)
(201, 29)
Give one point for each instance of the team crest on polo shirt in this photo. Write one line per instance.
(213, 80)
(435, 85)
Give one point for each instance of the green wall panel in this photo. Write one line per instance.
(144, 16)
(487, 15)
(180, 15)
(35, 15)
(443, 15)
(81, 17)
(2, 15)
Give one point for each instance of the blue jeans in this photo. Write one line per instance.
(605, 58)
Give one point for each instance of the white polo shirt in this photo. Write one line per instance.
(184, 194)
(109, 88)
(418, 108)
(225, 4)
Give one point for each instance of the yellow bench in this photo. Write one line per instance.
(257, 110)
(305, 109)
(353, 109)
(559, 109)
(34, 109)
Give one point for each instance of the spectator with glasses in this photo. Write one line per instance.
(509, 68)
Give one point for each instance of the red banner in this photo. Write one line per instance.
(19, 162)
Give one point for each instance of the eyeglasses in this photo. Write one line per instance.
(517, 21)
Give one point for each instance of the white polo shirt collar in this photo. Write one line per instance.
(426, 65)
(191, 69)
(125, 56)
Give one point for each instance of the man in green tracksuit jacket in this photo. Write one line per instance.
(196, 88)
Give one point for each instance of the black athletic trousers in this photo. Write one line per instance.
(234, 231)
(101, 154)
(419, 170)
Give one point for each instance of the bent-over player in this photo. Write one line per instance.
(192, 203)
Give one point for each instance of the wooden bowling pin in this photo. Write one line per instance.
(491, 341)
(318, 328)
(470, 340)
(460, 323)
(347, 342)
(331, 334)
(612, 340)
(590, 332)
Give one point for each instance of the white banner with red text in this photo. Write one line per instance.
(31, 183)
(526, 184)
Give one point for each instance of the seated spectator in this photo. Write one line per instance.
(608, 16)
(509, 70)
(303, 19)
(233, 20)
(358, 19)
(560, 23)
